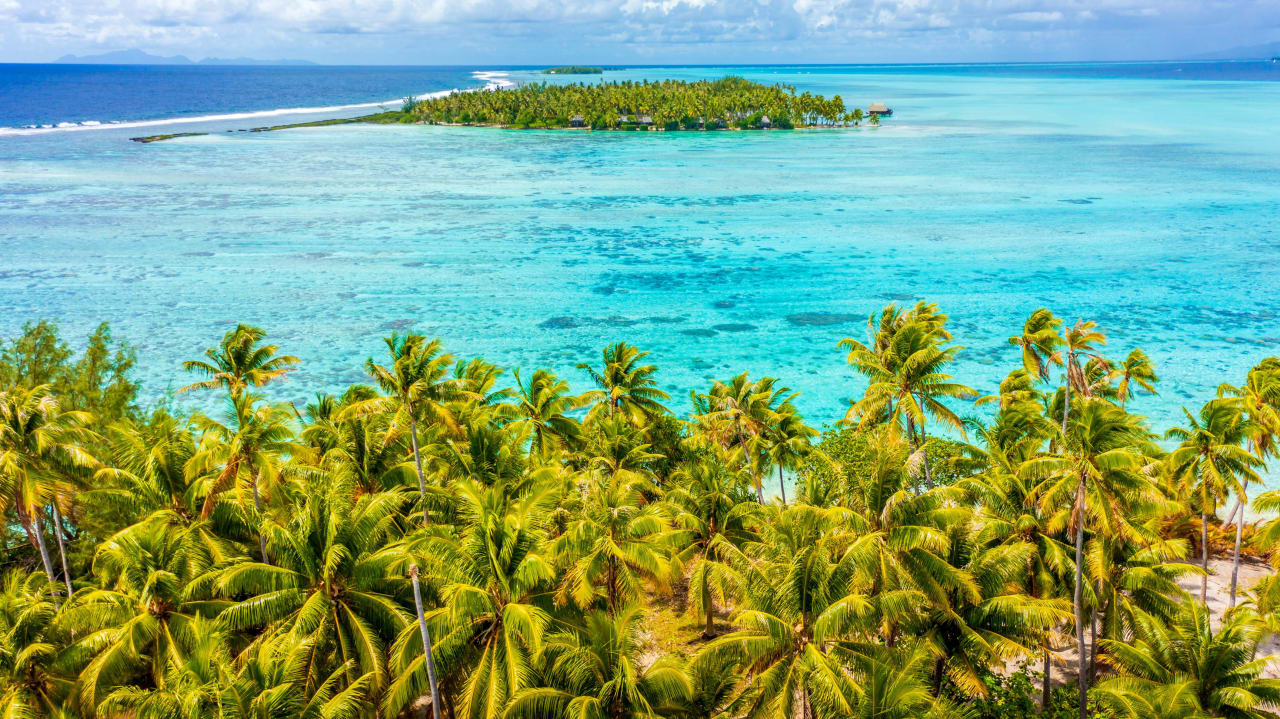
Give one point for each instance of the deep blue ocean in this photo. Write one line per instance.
(1143, 196)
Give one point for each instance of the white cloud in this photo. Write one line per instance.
(177, 25)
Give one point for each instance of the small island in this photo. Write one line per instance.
(730, 102)
(573, 70)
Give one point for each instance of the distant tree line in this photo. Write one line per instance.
(573, 70)
(667, 104)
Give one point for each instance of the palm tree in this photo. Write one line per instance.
(906, 383)
(1010, 516)
(542, 409)
(1210, 461)
(275, 680)
(240, 361)
(714, 522)
(596, 671)
(1039, 343)
(789, 441)
(1078, 340)
(249, 443)
(418, 385)
(617, 452)
(617, 544)
(41, 446)
(144, 613)
(366, 448)
(625, 385)
(977, 619)
(331, 581)
(30, 686)
(801, 600)
(1183, 668)
(1138, 370)
(191, 684)
(1259, 398)
(146, 468)
(491, 574)
(1093, 478)
(755, 418)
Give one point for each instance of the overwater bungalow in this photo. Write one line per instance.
(577, 121)
(879, 108)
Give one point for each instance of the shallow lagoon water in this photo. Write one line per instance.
(1148, 204)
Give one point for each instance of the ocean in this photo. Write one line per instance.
(1145, 197)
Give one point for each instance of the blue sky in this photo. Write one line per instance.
(475, 32)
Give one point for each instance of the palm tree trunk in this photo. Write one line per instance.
(257, 506)
(782, 487)
(1235, 556)
(38, 532)
(1231, 513)
(611, 573)
(759, 489)
(1239, 529)
(1066, 404)
(706, 603)
(1093, 643)
(1048, 673)
(938, 665)
(62, 547)
(1079, 601)
(924, 448)
(1204, 555)
(417, 461)
(426, 643)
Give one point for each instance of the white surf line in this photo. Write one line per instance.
(493, 79)
(95, 125)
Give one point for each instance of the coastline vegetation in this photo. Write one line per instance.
(170, 136)
(730, 102)
(593, 554)
(573, 70)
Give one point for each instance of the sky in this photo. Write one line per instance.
(533, 32)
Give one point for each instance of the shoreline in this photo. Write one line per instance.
(492, 79)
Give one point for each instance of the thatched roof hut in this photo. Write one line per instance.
(645, 120)
(577, 121)
(765, 122)
(879, 108)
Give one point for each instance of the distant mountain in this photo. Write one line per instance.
(1250, 52)
(138, 57)
(124, 57)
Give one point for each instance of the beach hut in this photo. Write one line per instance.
(765, 123)
(624, 119)
(644, 120)
(577, 121)
(879, 108)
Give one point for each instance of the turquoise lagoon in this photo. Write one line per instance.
(1146, 198)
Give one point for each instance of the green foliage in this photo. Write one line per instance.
(1010, 696)
(566, 554)
(847, 458)
(672, 105)
(98, 381)
(573, 70)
